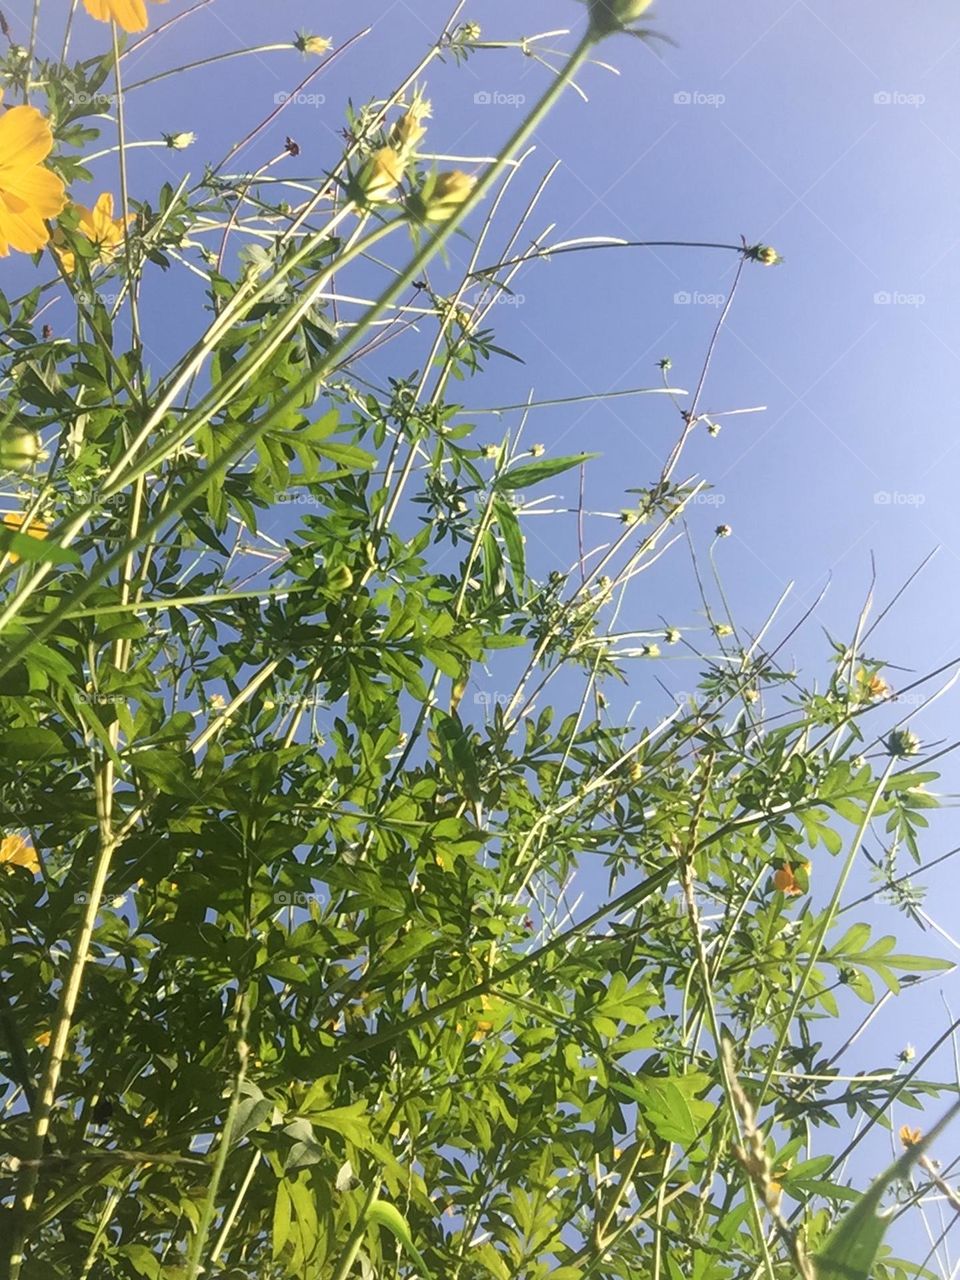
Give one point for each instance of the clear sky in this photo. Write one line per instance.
(826, 130)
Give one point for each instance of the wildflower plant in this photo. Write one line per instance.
(294, 980)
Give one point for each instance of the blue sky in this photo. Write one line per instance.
(825, 130)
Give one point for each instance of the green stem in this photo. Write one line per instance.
(310, 381)
(355, 1239)
(206, 62)
(826, 924)
(193, 1265)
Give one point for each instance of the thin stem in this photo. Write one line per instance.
(207, 62)
(195, 1256)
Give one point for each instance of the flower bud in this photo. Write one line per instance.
(311, 44)
(765, 254)
(902, 742)
(409, 129)
(671, 635)
(179, 141)
(608, 16)
(442, 195)
(723, 531)
(380, 176)
(19, 448)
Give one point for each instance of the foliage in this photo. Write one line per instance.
(293, 985)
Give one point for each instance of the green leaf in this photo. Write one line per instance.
(350, 1121)
(534, 472)
(387, 1215)
(30, 744)
(512, 538)
(282, 1217)
(37, 550)
(851, 1248)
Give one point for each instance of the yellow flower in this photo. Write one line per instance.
(409, 129)
(16, 851)
(910, 1137)
(42, 1040)
(443, 195)
(786, 881)
(35, 529)
(380, 176)
(29, 193)
(100, 227)
(131, 15)
(312, 44)
(872, 686)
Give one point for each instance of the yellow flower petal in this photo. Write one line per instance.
(16, 851)
(380, 175)
(25, 140)
(444, 195)
(28, 192)
(131, 15)
(99, 226)
(35, 529)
